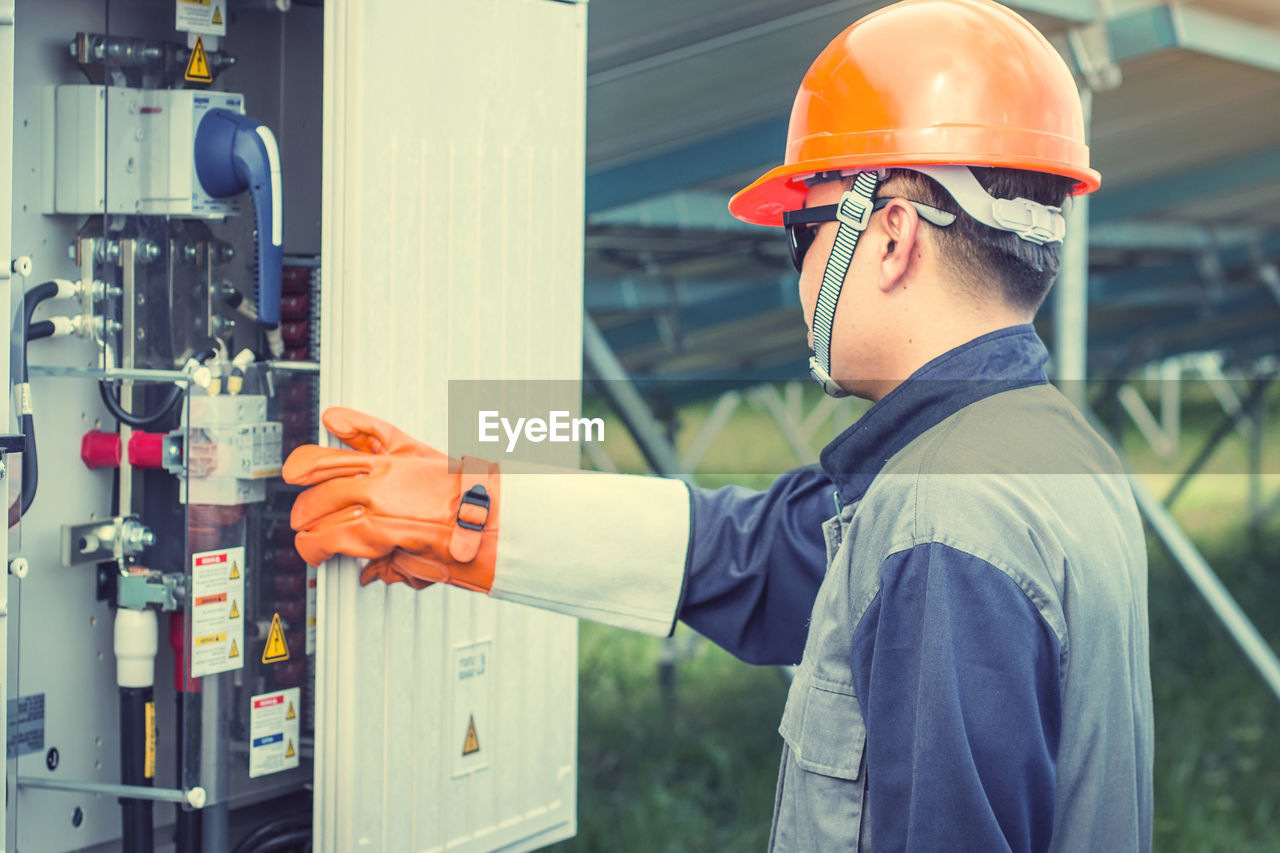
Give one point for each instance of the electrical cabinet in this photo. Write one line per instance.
(176, 675)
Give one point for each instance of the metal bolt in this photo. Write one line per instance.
(142, 334)
(77, 817)
(148, 251)
(51, 758)
(137, 536)
(142, 298)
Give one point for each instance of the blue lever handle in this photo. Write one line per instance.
(235, 153)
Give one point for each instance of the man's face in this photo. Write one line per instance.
(815, 260)
(854, 342)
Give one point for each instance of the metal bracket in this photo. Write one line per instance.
(139, 588)
(109, 539)
(1088, 50)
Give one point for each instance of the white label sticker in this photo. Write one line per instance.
(217, 611)
(470, 738)
(312, 574)
(208, 17)
(274, 720)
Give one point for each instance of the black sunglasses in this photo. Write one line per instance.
(801, 224)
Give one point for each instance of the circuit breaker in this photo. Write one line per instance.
(141, 142)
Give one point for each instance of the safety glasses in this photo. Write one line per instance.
(802, 224)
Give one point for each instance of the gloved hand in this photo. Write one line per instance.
(371, 435)
(392, 492)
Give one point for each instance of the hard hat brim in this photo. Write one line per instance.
(782, 188)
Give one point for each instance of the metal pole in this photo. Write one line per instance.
(622, 395)
(1184, 553)
(1071, 293)
(194, 798)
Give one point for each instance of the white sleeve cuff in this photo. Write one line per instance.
(606, 547)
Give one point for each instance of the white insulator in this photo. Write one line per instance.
(136, 642)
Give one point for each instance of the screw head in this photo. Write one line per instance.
(51, 758)
(77, 817)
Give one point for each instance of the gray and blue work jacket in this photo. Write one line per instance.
(971, 626)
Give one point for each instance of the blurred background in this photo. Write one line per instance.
(1163, 323)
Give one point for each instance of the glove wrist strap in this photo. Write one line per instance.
(475, 507)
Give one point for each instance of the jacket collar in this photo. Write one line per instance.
(995, 362)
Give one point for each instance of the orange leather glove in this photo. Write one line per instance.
(392, 492)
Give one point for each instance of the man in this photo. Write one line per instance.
(973, 658)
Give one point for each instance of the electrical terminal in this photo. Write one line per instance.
(239, 364)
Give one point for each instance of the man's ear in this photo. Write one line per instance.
(900, 225)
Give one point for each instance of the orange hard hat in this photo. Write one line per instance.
(958, 82)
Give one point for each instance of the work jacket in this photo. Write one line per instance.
(970, 626)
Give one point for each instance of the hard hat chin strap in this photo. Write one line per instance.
(853, 215)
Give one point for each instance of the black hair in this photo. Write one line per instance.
(990, 261)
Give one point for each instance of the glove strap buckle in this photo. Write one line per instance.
(473, 510)
(474, 496)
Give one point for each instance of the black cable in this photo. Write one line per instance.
(136, 814)
(30, 464)
(286, 841)
(285, 824)
(107, 393)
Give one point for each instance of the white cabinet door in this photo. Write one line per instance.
(452, 249)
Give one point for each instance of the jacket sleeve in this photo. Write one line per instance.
(957, 675)
(755, 562)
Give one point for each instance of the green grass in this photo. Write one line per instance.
(694, 769)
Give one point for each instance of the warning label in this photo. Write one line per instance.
(26, 725)
(472, 743)
(217, 592)
(273, 735)
(198, 65)
(312, 574)
(276, 648)
(471, 706)
(201, 16)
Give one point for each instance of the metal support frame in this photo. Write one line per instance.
(1128, 36)
(1201, 574)
(1071, 292)
(618, 389)
(710, 430)
(1244, 411)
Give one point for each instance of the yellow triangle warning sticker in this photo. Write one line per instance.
(235, 652)
(290, 714)
(198, 65)
(472, 743)
(276, 649)
(289, 753)
(235, 611)
(217, 16)
(235, 571)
